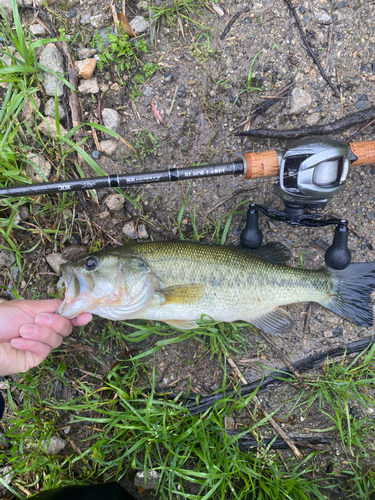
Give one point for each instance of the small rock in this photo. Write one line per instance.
(235, 100)
(338, 331)
(181, 92)
(96, 154)
(150, 482)
(168, 78)
(85, 18)
(49, 109)
(85, 53)
(48, 127)
(71, 13)
(37, 30)
(312, 119)
(139, 24)
(116, 87)
(115, 202)
(89, 86)
(28, 110)
(85, 67)
(328, 335)
(108, 147)
(56, 260)
(148, 91)
(54, 445)
(142, 232)
(103, 87)
(142, 5)
(300, 101)
(39, 162)
(323, 17)
(51, 58)
(73, 252)
(6, 475)
(129, 230)
(100, 20)
(111, 119)
(7, 257)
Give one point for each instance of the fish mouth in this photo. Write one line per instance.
(76, 299)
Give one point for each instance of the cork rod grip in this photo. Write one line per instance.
(365, 151)
(265, 164)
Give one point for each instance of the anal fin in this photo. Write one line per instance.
(276, 322)
(182, 324)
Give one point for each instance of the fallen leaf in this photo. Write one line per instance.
(125, 24)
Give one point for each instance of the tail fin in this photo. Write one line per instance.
(351, 295)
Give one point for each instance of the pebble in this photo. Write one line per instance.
(7, 257)
(181, 92)
(111, 119)
(6, 475)
(300, 101)
(48, 127)
(139, 24)
(85, 18)
(100, 20)
(143, 5)
(89, 86)
(323, 17)
(37, 30)
(49, 109)
(129, 230)
(103, 87)
(28, 110)
(116, 87)
(85, 67)
(108, 147)
(312, 119)
(73, 252)
(85, 53)
(150, 482)
(142, 232)
(148, 91)
(168, 78)
(43, 165)
(103, 35)
(56, 260)
(96, 154)
(51, 58)
(54, 445)
(115, 202)
(71, 13)
(235, 100)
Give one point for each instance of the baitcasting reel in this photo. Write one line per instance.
(311, 172)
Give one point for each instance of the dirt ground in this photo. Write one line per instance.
(206, 79)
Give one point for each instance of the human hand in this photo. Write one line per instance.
(29, 330)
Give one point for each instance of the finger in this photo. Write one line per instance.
(60, 325)
(81, 319)
(38, 350)
(35, 307)
(41, 333)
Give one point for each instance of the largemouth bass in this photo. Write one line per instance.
(178, 282)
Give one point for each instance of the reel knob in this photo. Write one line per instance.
(338, 255)
(251, 236)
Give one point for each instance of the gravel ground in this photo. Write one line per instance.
(199, 93)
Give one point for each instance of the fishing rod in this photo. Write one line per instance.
(250, 165)
(309, 174)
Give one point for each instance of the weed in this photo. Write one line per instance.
(178, 12)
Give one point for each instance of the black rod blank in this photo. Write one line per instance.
(124, 180)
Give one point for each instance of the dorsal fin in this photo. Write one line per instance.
(273, 252)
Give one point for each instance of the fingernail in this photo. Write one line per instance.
(27, 330)
(43, 319)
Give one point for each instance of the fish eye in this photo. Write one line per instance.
(91, 263)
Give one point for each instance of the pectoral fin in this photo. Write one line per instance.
(182, 324)
(277, 322)
(181, 294)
